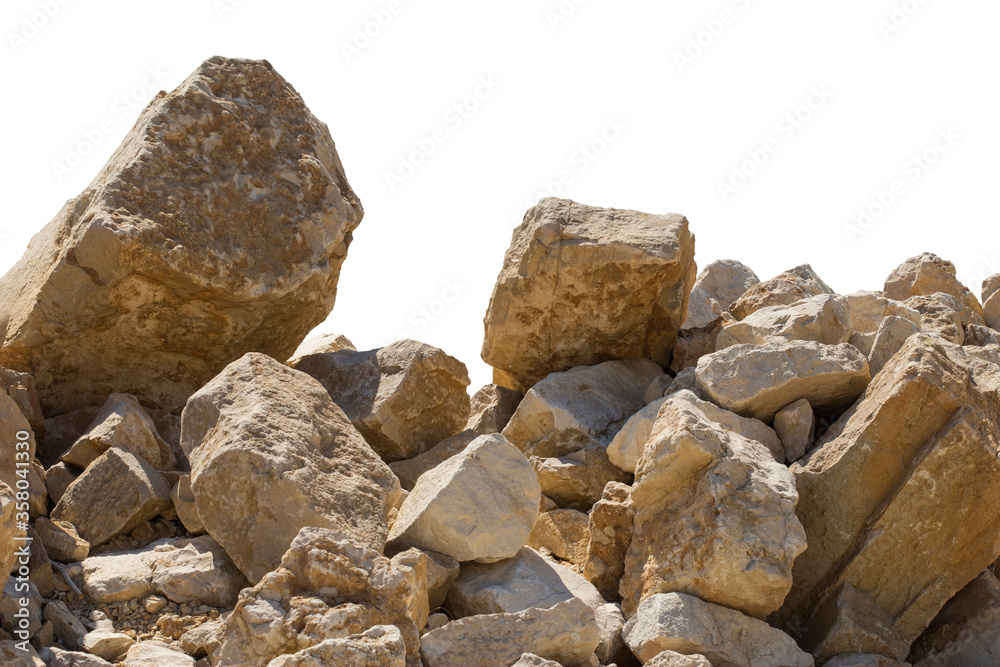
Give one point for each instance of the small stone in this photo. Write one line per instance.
(576, 481)
(106, 644)
(153, 603)
(62, 542)
(610, 530)
(122, 423)
(564, 533)
(492, 408)
(795, 425)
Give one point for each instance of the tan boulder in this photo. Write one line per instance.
(66, 627)
(610, 529)
(159, 275)
(18, 440)
(582, 285)
(478, 505)
(106, 643)
(967, 629)
(9, 530)
(327, 587)
(580, 408)
(121, 423)
(155, 654)
(21, 388)
(13, 654)
(693, 344)
(576, 481)
(62, 542)
(784, 289)
(412, 564)
(563, 533)
(849, 621)
(944, 316)
(566, 633)
(980, 336)
(409, 470)
(795, 425)
(532, 660)
(759, 380)
(714, 517)
(271, 453)
(913, 473)
(674, 659)
(889, 339)
(867, 310)
(823, 318)
(58, 478)
(686, 624)
(991, 302)
(380, 646)
(186, 507)
(321, 344)
(718, 285)
(116, 494)
(492, 408)
(404, 398)
(926, 274)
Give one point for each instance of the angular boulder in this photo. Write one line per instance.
(795, 425)
(824, 319)
(404, 398)
(926, 274)
(322, 344)
(849, 621)
(380, 646)
(991, 302)
(610, 529)
(159, 275)
(409, 470)
(576, 481)
(492, 408)
(582, 285)
(784, 289)
(271, 453)
(718, 285)
(563, 533)
(966, 631)
(18, 439)
(121, 423)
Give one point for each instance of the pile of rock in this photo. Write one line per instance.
(672, 468)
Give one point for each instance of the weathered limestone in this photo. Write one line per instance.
(926, 274)
(944, 316)
(58, 478)
(758, 381)
(321, 344)
(532, 660)
(187, 509)
(979, 335)
(62, 431)
(14, 430)
(155, 654)
(62, 542)
(714, 516)
(718, 285)
(566, 633)
(966, 631)
(121, 423)
(784, 289)
(686, 624)
(563, 533)
(159, 275)
(610, 530)
(899, 498)
(66, 627)
(12, 656)
(582, 285)
(795, 425)
(105, 643)
(117, 493)
(674, 659)
(8, 530)
(380, 646)
(693, 344)
(404, 398)
(576, 481)
(823, 318)
(849, 621)
(56, 657)
(580, 408)
(478, 505)
(889, 339)
(991, 302)
(270, 453)
(868, 309)
(409, 470)
(21, 389)
(327, 587)
(492, 408)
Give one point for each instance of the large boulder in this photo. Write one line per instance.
(714, 516)
(159, 274)
(967, 629)
(18, 439)
(784, 289)
(327, 587)
(901, 497)
(404, 398)
(271, 453)
(582, 285)
(759, 380)
(580, 408)
(926, 274)
(718, 285)
(824, 319)
(478, 505)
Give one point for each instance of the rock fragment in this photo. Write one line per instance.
(718, 285)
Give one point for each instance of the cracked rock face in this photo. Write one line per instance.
(217, 228)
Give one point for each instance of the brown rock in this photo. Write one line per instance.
(967, 629)
(159, 275)
(185, 506)
(62, 542)
(21, 388)
(17, 439)
(563, 533)
(926, 274)
(823, 318)
(991, 302)
(849, 621)
(322, 344)
(404, 398)
(610, 529)
(889, 339)
(409, 471)
(718, 285)
(795, 424)
(9, 530)
(785, 288)
(693, 344)
(62, 431)
(121, 423)
(58, 478)
(582, 285)
(492, 408)
(271, 453)
(577, 480)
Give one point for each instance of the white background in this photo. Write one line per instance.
(691, 91)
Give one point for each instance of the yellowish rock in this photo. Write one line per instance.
(784, 289)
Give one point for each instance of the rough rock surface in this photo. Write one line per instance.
(380, 646)
(9, 530)
(582, 285)
(492, 408)
(327, 587)
(610, 529)
(121, 423)
(271, 453)
(576, 481)
(693, 344)
(759, 380)
(322, 344)
(686, 624)
(785, 288)
(409, 470)
(824, 319)
(21, 388)
(795, 425)
(478, 505)
(899, 498)
(991, 302)
(926, 274)
(159, 275)
(714, 516)
(966, 631)
(580, 408)
(404, 398)
(156, 654)
(674, 659)
(718, 285)
(13, 429)
(564, 533)
(566, 633)
(62, 542)
(889, 339)
(849, 621)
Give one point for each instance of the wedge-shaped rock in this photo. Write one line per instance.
(926, 274)
(185, 506)
(628, 444)
(686, 624)
(563, 533)
(410, 470)
(122, 423)
(966, 631)
(824, 319)
(21, 388)
(784, 289)
(478, 505)
(849, 621)
(577, 480)
(944, 316)
(9, 531)
(182, 570)
(889, 339)
(404, 398)
(270, 453)
(566, 633)
(62, 542)
(868, 309)
(582, 285)
(795, 425)
(327, 587)
(492, 408)
(430, 576)
(66, 627)
(381, 646)
(759, 380)
(14, 430)
(580, 408)
(714, 517)
(674, 659)
(117, 493)
(912, 471)
(322, 344)
(159, 275)
(155, 654)
(610, 530)
(991, 302)
(718, 285)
